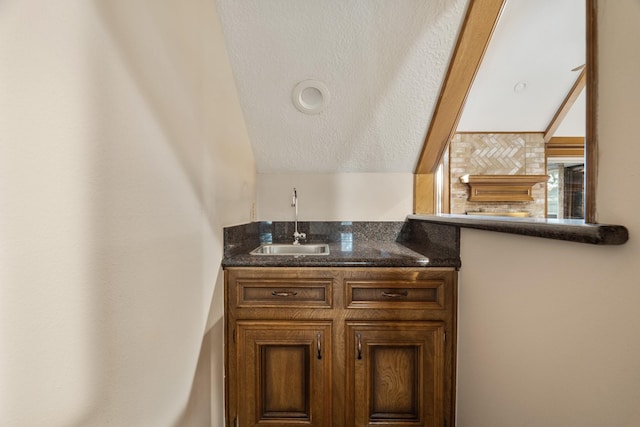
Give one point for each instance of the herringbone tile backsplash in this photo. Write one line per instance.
(496, 154)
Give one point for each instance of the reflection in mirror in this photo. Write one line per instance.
(525, 113)
(565, 189)
(566, 170)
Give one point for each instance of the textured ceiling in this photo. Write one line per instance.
(382, 61)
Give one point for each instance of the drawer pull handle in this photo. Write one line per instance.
(319, 341)
(359, 345)
(401, 294)
(284, 293)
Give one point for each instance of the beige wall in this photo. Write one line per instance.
(548, 331)
(336, 197)
(123, 153)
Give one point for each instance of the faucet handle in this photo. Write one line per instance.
(297, 236)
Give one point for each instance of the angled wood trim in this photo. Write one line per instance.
(566, 105)
(478, 26)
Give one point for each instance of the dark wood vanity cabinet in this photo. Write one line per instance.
(395, 376)
(343, 347)
(282, 373)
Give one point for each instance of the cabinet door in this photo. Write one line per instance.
(283, 373)
(395, 373)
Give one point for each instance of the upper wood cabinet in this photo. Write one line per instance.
(340, 347)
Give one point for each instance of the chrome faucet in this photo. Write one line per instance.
(296, 235)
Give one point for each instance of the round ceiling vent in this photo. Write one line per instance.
(310, 96)
(520, 87)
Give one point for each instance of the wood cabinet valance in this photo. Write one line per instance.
(502, 188)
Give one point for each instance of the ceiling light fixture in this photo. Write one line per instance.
(310, 96)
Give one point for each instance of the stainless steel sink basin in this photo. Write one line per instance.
(291, 249)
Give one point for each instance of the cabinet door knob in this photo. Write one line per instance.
(319, 343)
(359, 345)
(284, 293)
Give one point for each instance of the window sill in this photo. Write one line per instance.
(558, 229)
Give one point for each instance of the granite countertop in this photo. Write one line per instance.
(420, 241)
(378, 254)
(560, 229)
(351, 244)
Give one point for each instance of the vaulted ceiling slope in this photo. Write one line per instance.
(529, 67)
(382, 61)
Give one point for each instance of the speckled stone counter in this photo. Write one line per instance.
(571, 230)
(362, 244)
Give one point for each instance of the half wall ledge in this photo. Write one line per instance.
(558, 229)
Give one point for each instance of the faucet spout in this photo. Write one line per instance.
(294, 204)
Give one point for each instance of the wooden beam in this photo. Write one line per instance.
(566, 105)
(424, 198)
(478, 26)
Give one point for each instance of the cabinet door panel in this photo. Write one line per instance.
(283, 374)
(395, 373)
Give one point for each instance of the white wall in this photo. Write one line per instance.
(548, 331)
(335, 197)
(123, 153)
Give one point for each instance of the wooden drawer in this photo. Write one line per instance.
(284, 293)
(389, 294)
